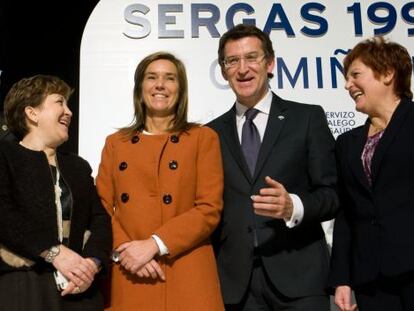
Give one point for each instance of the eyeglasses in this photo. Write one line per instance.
(251, 59)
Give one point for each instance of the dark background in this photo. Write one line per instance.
(43, 37)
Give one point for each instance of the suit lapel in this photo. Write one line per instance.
(232, 140)
(278, 115)
(390, 132)
(358, 143)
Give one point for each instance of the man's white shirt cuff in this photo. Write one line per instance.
(297, 214)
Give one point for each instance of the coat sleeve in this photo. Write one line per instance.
(189, 229)
(99, 243)
(106, 189)
(320, 201)
(341, 249)
(26, 232)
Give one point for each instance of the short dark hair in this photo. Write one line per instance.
(30, 92)
(241, 31)
(382, 56)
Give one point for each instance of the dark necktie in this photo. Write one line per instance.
(250, 142)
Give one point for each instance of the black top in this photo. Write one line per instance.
(27, 205)
(374, 232)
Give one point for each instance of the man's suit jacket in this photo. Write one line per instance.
(298, 151)
(374, 232)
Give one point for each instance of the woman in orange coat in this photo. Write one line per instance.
(161, 180)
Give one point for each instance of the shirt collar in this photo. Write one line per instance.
(263, 105)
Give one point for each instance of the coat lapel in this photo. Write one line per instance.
(232, 140)
(278, 115)
(390, 133)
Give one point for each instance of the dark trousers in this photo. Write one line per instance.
(396, 294)
(263, 296)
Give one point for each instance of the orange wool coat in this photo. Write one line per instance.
(170, 186)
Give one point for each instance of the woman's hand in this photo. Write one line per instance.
(74, 267)
(343, 298)
(135, 254)
(151, 270)
(74, 290)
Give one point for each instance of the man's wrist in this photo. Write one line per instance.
(297, 211)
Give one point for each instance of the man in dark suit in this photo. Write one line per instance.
(280, 180)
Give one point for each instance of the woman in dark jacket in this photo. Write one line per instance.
(55, 235)
(373, 243)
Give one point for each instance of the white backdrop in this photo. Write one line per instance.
(309, 38)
